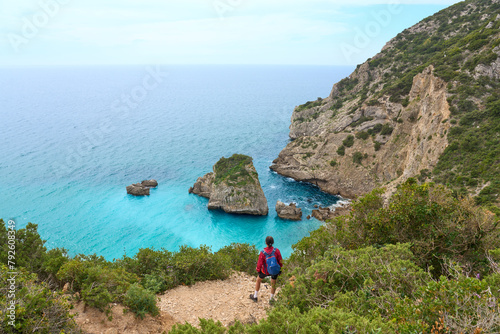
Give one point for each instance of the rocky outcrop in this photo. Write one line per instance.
(150, 183)
(422, 107)
(137, 189)
(233, 187)
(203, 186)
(338, 154)
(324, 214)
(290, 212)
(141, 189)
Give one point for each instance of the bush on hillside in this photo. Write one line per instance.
(439, 226)
(141, 301)
(240, 257)
(376, 274)
(98, 283)
(38, 309)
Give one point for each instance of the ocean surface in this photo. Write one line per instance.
(74, 137)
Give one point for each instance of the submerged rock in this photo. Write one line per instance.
(291, 212)
(233, 186)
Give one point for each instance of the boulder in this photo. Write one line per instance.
(138, 189)
(233, 187)
(150, 183)
(324, 214)
(290, 212)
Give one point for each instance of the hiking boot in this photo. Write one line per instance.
(253, 298)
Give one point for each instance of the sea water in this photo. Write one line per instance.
(74, 137)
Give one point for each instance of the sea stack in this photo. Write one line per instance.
(233, 186)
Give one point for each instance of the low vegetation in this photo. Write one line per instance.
(233, 170)
(132, 281)
(426, 263)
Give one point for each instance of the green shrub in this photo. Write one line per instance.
(233, 169)
(319, 320)
(240, 257)
(357, 157)
(376, 129)
(360, 121)
(146, 261)
(98, 283)
(362, 135)
(333, 163)
(341, 150)
(462, 305)
(309, 105)
(386, 129)
(191, 265)
(30, 249)
(141, 301)
(97, 295)
(377, 145)
(389, 272)
(349, 141)
(209, 326)
(154, 283)
(439, 226)
(38, 309)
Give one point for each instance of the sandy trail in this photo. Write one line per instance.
(225, 301)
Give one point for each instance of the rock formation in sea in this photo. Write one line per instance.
(290, 212)
(203, 186)
(141, 189)
(150, 183)
(233, 186)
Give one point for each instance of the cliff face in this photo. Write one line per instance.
(391, 119)
(233, 186)
(415, 143)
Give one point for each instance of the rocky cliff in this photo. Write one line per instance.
(233, 186)
(391, 119)
(412, 141)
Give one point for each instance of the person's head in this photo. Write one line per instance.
(269, 241)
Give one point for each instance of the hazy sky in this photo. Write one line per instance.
(318, 32)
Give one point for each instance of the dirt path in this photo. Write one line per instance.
(225, 301)
(93, 321)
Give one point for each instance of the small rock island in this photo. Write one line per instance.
(233, 186)
(289, 212)
(141, 189)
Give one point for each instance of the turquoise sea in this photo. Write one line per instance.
(72, 139)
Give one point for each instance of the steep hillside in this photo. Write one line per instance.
(426, 105)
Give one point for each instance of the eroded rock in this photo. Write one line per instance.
(233, 187)
(290, 212)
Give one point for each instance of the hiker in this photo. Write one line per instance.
(269, 264)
